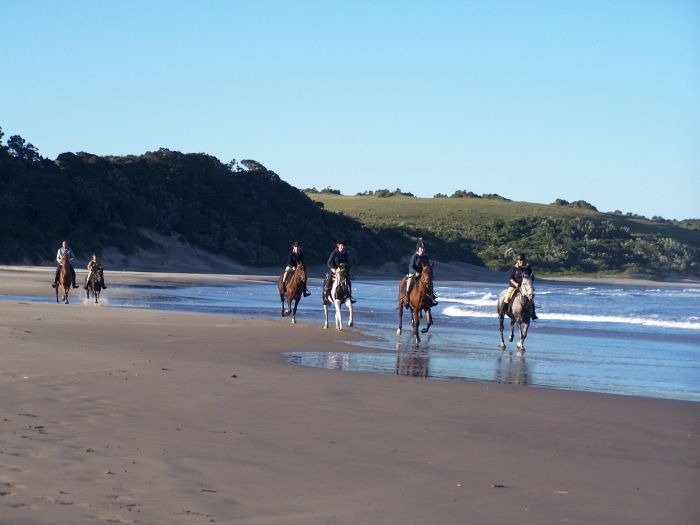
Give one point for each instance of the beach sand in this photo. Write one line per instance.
(134, 416)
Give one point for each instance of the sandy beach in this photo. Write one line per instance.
(134, 416)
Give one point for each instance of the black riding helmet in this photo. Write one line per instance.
(420, 244)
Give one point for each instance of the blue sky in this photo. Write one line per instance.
(534, 101)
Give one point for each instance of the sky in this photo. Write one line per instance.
(596, 101)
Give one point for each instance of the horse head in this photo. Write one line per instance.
(526, 287)
(426, 274)
(302, 272)
(64, 259)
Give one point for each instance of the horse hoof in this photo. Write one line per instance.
(423, 330)
(398, 331)
(350, 323)
(294, 321)
(510, 339)
(503, 346)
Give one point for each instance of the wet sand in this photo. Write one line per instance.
(132, 416)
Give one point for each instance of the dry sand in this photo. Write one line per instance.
(130, 416)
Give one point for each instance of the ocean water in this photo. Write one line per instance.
(629, 340)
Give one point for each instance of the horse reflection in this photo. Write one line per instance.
(512, 370)
(412, 364)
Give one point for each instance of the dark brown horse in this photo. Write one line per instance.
(296, 284)
(65, 279)
(93, 285)
(420, 299)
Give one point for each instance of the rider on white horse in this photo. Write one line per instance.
(515, 279)
(337, 257)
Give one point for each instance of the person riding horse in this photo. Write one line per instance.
(515, 279)
(94, 266)
(415, 267)
(337, 257)
(64, 250)
(295, 258)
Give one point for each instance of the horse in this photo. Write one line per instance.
(519, 309)
(339, 294)
(293, 291)
(93, 286)
(420, 299)
(65, 279)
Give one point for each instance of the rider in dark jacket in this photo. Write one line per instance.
(335, 259)
(515, 279)
(415, 267)
(295, 258)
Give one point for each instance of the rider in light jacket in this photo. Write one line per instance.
(64, 250)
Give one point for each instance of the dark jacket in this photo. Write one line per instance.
(295, 259)
(517, 274)
(414, 265)
(336, 259)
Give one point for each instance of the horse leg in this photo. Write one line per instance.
(428, 320)
(398, 330)
(512, 329)
(338, 317)
(524, 325)
(325, 315)
(500, 326)
(348, 303)
(282, 301)
(294, 311)
(416, 322)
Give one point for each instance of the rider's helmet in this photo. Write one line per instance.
(296, 244)
(522, 257)
(341, 241)
(420, 244)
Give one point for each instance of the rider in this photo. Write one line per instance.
(415, 267)
(95, 266)
(65, 250)
(515, 278)
(337, 257)
(296, 257)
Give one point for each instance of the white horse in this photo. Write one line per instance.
(519, 310)
(339, 294)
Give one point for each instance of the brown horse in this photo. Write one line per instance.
(420, 299)
(296, 284)
(65, 279)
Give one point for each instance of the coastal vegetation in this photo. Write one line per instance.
(247, 212)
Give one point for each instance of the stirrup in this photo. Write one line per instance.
(54, 285)
(306, 294)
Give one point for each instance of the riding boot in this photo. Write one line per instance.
(306, 291)
(433, 302)
(284, 279)
(534, 315)
(75, 281)
(102, 283)
(352, 301)
(55, 279)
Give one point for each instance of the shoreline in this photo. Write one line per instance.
(138, 416)
(269, 275)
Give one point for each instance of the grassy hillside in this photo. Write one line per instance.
(249, 214)
(557, 238)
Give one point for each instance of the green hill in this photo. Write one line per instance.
(559, 238)
(249, 214)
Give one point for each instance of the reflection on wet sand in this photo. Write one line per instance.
(512, 370)
(335, 361)
(412, 363)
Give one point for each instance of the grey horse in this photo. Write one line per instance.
(519, 309)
